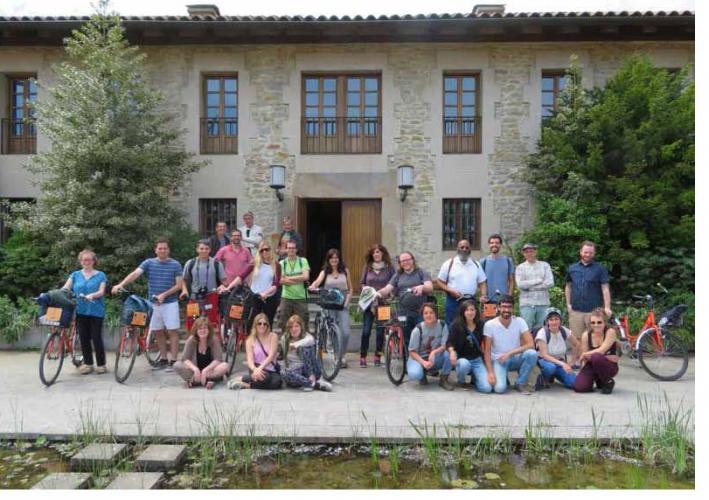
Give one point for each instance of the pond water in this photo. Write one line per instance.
(355, 467)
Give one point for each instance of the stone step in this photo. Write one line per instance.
(95, 455)
(160, 457)
(136, 481)
(64, 481)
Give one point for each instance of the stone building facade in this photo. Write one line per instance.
(411, 67)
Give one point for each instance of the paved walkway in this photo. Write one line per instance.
(364, 403)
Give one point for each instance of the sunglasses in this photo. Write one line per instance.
(265, 250)
(596, 322)
(262, 323)
(463, 248)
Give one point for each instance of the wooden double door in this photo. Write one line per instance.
(351, 226)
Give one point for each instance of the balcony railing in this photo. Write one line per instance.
(19, 136)
(341, 134)
(219, 136)
(462, 134)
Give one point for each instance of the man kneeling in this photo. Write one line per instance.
(510, 346)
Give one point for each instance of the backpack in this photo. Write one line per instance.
(420, 328)
(190, 267)
(564, 333)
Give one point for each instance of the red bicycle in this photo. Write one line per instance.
(136, 337)
(61, 341)
(232, 330)
(395, 349)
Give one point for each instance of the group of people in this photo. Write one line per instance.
(486, 350)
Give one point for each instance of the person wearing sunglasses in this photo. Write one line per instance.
(459, 276)
(261, 351)
(264, 281)
(599, 355)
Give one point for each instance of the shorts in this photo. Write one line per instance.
(165, 316)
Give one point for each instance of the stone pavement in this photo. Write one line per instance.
(363, 403)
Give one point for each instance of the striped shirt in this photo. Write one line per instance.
(161, 276)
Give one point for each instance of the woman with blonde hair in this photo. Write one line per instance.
(263, 281)
(89, 286)
(261, 351)
(302, 369)
(599, 355)
(202, 361)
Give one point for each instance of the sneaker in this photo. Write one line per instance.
(101, 369)
(308, 388)
(521, 389)
(323, 385)
(169, 368)
(86, 369)
(377, 360)
(161, 365)
(343, 364)
(363, 362)
(608, 388)
(424, 380)
(443, 382)
(234, 384)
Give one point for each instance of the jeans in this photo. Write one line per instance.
(300, 377)
(551, 370)
(451, 309)
(522, 363)
(367, 323)
(342, 318)
(441, 362)
(408, 327)
(475, 368)
(533, 316)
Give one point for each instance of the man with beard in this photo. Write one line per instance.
(499, 269)
(459, 276)
(508, 347)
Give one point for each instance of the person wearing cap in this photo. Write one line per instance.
(553, 342)
(534, 279)
(251, 234)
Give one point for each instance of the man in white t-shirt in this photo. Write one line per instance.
(508, 347)
(460, 275)
(251, 234)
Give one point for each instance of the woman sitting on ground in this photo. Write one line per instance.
(426, 348)
(202, 361)
(302, 369)
(552, 343)
(261, 351)
(465, 348)
(599, 355)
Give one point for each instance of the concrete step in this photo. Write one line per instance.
(160, 457)
(136, 481)
(64, 481)
(95, 455)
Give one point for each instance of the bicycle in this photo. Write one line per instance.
(395, 350)
(660, 353)
(327, 339)
(232, 329)
(134, 339)
(61, 341)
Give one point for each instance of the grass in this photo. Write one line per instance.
(667, 434)
(430, 442)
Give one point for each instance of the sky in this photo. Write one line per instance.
(328, 7)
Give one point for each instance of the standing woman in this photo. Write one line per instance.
(334, 274)
(261, 351)
(599, 355)
(89, 286)
(263, 281)
(377, 272)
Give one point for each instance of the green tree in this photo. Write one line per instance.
(616, 165)
(115, 155)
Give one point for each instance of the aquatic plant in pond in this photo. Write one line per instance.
(666, 433)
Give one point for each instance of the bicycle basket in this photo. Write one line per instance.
(60, 307)
(134, 304)
(243, 298)
(332, 298)
(673, 317)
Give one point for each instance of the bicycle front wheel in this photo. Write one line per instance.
(664, 357)
(329, 351)
(52, 357)
(152, 351)
(233, 346)
(394, 356)
(77, 355)
(126, 353)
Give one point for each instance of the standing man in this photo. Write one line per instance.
(219, 239)
(534, 279)
(237, 261)
(499, 269)
(252, 234)
(295, 272)
(289, 234)
(460, 275)
(509, 347)
(164, 282)
(586, 289)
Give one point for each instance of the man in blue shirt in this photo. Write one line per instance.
(586, 289)
(499, 270)
(164, 283)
